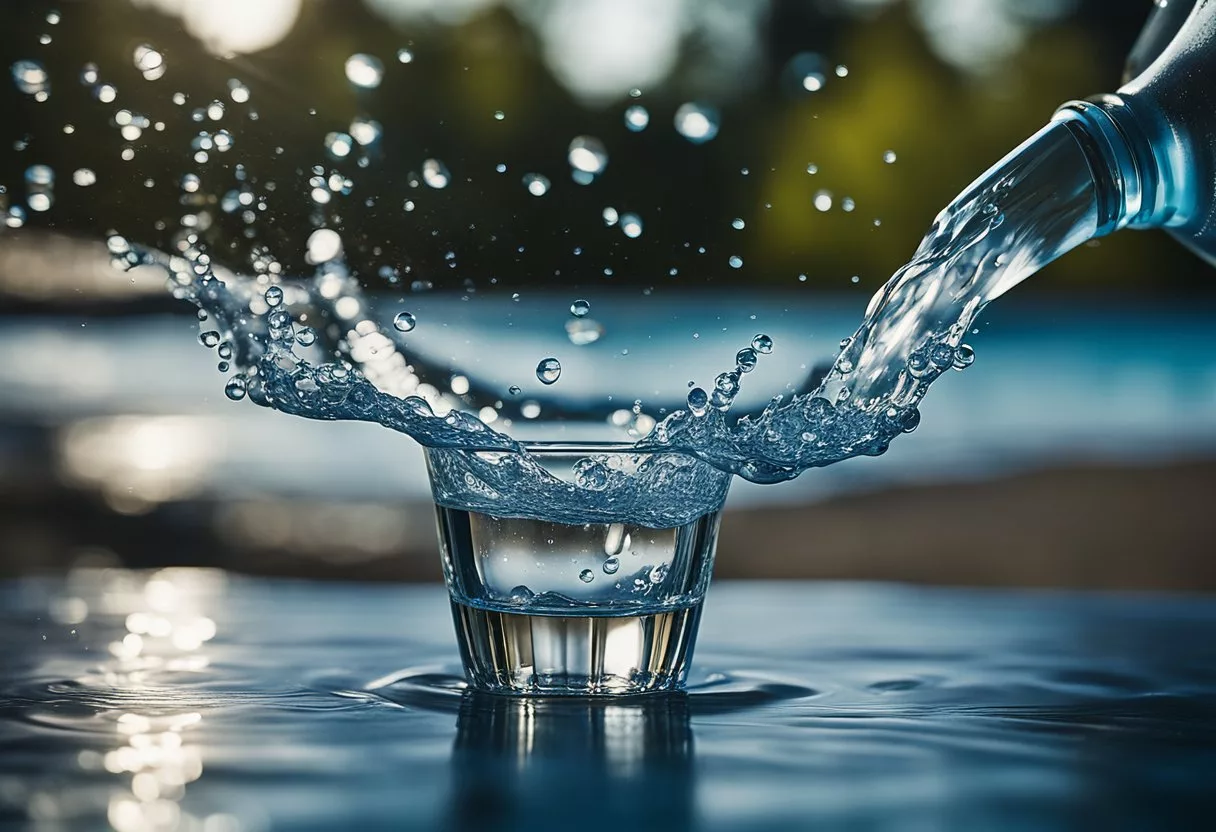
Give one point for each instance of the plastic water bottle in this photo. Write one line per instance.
(1151, 146)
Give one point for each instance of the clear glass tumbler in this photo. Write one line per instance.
(561, 581)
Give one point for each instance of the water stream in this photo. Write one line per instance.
(321, 348)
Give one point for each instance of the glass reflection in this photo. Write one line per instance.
(614, 765)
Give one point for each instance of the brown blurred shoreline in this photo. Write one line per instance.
(1079, 527)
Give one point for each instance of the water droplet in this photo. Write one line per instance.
(405, 56)
(274, 296)
(548, 370)
(500, 167)
(364, 70)
(889, 157)
(696, 122)
(537, 184)
(812, 169)
(847, 204)
(822, 201)
(842, 71)
(499, 115)
(586, 576)
(338, 145)
(659, 573)
(964, 357)
(84, 177)
(735, 261)
(39, 202)
(149, 62)
(737, 224)
(238, 92)
(306, 336)
(610, 216)
(746, 360)
(209, 339)
(583, 331)
(762, 344)
(404, 321)
(365, 131)
(435, 174)
(40, 176)
(918, 363)
(236, 388)
(855, 278)
(637, 118)
(612, 565)
(942, 355)
(631, 224)
(323, 245)
(698, 401)
(30, 77)
(587, 154)
(580, 308)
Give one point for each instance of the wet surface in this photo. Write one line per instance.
(196, 700)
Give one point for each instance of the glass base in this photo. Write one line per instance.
(516, 653)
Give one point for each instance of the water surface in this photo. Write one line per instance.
(196, 700)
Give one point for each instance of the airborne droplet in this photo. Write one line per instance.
(404, 321)
(696, 122)
(548, 370)
(364, 71)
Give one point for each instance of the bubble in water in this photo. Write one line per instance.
(30, 77)
(40, 201)
(735, 261)
(404, 321)
(583, 331)
(762, 344)
(338, 145)
(324, 245)
(306, 336)
(842, 71)
(537, 184)
(365, 131)
(631, 224)
(106, 93)
(580, 308)
(812, 169)
(548, 370)
(274, 296)
(738, 224)
(612, 565)
(698, 401)
(149, 62)
(191, 183)
(236, 388)
(696, 122)
(586, 576)
(847, 204)
(822, 201)
(364, 71)
(889, 157)
(610, 216)
(637, 118)
(964, 357)
(918, 363)
(746, 359)
(587, 154)
(521, 595)
(515, 390)
(84, 177)
(209, 339)
(435, 174)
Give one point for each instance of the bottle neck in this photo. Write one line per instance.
(1132, 174)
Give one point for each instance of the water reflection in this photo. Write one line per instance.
(620, 765)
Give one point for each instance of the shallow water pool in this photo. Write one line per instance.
(192, 699)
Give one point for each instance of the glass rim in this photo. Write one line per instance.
(568, 448)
